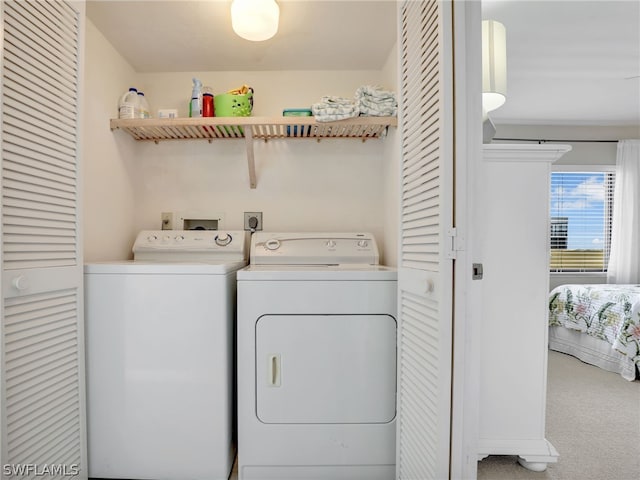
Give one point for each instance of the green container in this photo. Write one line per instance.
(230, 105)
(297, 112)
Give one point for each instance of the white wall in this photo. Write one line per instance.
(333, 185)
(273, 90)
(391, 170)
(108, 192)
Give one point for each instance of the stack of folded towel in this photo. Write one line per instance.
(376, 102)
(334, 108)
(369, 101)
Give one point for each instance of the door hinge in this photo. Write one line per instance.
(454, 243)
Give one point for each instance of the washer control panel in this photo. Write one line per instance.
(190, 245)
(313, 249)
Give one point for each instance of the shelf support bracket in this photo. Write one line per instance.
(248, 136)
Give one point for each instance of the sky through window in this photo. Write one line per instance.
(581, 199)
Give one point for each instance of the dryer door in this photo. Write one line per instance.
(326, 368)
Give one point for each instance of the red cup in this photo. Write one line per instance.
(207, 105)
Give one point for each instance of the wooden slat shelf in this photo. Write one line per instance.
(250, 128)
(210, 128)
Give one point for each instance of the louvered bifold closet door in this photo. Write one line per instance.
(425, 266)
(43, 427)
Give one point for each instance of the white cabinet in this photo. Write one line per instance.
(515, 244)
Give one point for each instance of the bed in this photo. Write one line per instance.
(599, 324)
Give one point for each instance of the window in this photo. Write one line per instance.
(580, 226)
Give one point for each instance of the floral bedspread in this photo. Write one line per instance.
(607, 312)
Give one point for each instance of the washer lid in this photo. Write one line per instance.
(313, 249)
(155, 268)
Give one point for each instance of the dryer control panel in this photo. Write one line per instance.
(190, 245)
(313, 249)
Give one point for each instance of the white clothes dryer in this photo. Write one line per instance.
(316, 359)
(159, 350)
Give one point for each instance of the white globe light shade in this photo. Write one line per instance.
(255, 20)
(494, 65)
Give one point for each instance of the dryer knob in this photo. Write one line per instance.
(272, 244)
(363, 243)
(331, 243)
(179, 238)
(223, 239)
(152, 238)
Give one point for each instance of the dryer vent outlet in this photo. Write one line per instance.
(252, 221)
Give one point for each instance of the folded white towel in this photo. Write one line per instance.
(369, 100)
(375, 92)
(323, 113)
(374, 101)
(377, 112)
(334, 108)
(335, 101)
(370, 103)
(383, 109)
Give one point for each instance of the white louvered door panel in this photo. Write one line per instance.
(43, 409)
(425, 265)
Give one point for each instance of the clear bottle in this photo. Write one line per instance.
(143, 106)
(128, 105)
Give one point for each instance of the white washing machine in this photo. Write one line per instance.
(316, 359)
(160, 357)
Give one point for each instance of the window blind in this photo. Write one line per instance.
(580, 224)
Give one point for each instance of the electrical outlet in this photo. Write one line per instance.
(167, 220)
(252, 221)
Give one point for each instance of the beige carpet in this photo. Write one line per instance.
(593, 420)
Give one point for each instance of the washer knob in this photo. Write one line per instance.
(152, 238)
(363, 243)
(272, 244)
(223, 239)
(179, 238)
(331, 243)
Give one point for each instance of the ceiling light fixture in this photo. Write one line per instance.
(494, 65)
(255, 20)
